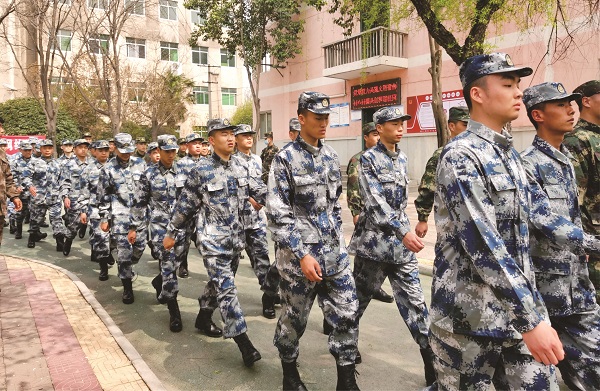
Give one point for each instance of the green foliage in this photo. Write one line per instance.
(135, 130)
(24, 116)
(243, 114)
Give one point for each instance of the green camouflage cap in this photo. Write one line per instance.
(588, 88)
(140, 140)
(386, 114)
(546, 92)
(315, 102)
(488, 64)
(368, 128)
(459, 113)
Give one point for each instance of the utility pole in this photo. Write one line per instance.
(210, 82)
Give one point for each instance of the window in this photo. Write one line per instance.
(197, 18)
(98, 4)
(228, 96)
(200, 55)
(58, 84)
(135, 7)
(266, 63)
(98, 44)
(169, 51)
(136, 47)
(168, 9)
(63, 40)
(265, 123)
(200, 95)
(227, 58)
(137, 92)
(201, 130)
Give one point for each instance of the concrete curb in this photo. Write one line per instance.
(132, 354)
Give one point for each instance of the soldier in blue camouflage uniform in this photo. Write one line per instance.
(18, 167)
(216, 190)
(36, 176)
(561, 275)
(255, 224)
(116, 187)
(486, 314)
(458, 117)
(158, 192)
(53, 198)
(88, 200)
(70, 191)
(382, 241)
(304, 215)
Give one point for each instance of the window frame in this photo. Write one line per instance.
(229, 59)
(135, 46)
(170, 9)
(201, 91)
(164, 45)
(229, 92)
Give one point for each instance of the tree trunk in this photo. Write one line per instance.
(441, 122)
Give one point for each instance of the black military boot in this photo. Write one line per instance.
(81, 228)
(31, 240)
(427, 355)
(60, 241)
(346, 378)
(382, 295)
(175, 324)
(103, 276)
(268, 306)
(38, 235)
(183, 268)
(249, 353)
(67, 246)
(110, 260)
(13, 226)
(127, 291)
(291, 377)
(327, 328)
(157, 284)
(205, 324)
(19, 230)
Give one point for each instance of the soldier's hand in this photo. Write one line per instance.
(168, 243)
(413, 242)
(131, 236)
(19, 189)
(67, 203)
(18, 204)
(544, 344)
(355, 219)
(310, 268)
(421, 229)
(104, 227)
(255, 204)
(32, 191)
(83, 218)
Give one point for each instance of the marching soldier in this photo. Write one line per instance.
(8, 189)
(53, 198)
(267, 156)
(19, 166)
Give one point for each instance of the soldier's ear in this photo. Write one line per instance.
(537, 115)
(301, 119)
(585, 102)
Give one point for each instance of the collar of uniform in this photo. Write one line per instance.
(503, 140)
(391, 154)
(46, 159)
(98, 164)
(163, 170)
(218, 159)
(562, 156)
(122, 163)
(243, 155)
(313, 150)
(587, 125)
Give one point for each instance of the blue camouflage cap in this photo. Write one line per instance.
(67, 142)
(219, 124)
(315, 102)
(489, 64)
(167, 142)
(46, 143)
(80, 141)
(243, 129)
(546, 92)
(386, 114)
(3, 141)
(294, 125)
(193, 137)
(33, 140)
(25, 145)
(93, 145)
(124, 143)
(100, 144)
(151, 147)
(459, 113)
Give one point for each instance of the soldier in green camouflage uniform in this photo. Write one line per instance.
(140, 148)
(267, 156)
(584, 145)
(182, 152)
(458, 117)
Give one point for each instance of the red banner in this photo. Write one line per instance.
(419, 107)
(378, 94)
(13, 142)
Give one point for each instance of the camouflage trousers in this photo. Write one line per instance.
(128, 255)
(55, 214)
(407, 291)
(221, 291)
(19, 216)
(72, 220)
(594, 270)
(182, 247)
(465, 362)
(257, 249)
(336, 297)
(99, 240)
(580, 336)
(2, 219)
(168, 262)
(37, 212)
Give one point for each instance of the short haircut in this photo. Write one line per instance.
(579, 103)
(302, 112)
(481, 83)
(540, 106)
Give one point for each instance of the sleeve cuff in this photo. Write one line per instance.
(527, 322)
(423, 217)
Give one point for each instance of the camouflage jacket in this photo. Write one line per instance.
(561, 275)
(185, 166)
(424, 201)
(378, 234)
(252, 218)
(483, 280)
(36, 174)
(355, 203)
(70, 180)
(54, 167)
(215, 190)
(584, 144)
(303, 207)
(116, 187)
(19, 167)
(88, 198)
(267, 155)
(8, 188)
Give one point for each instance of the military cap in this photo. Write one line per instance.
(140, 140)
(243, 129)
(151, 147)
(219, 124)
(33, 140)
(80, 141)
(25, 145)
(87, 134)
(111, 140)
(67, 142)
(204, 141)
(386, 114)
(546, 92)
(124, 143)
(459, 113)
(102, 144)
(3, 142)
(315, 102)
(588, 88)
(368, 128)
(489, 64)
(167, 142)
(193, 137)
(269, 135)
(93, 145)
(46, 143)
(181, 140)
(294, 125)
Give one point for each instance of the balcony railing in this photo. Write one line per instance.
(379, 41)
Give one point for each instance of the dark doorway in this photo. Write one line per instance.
(367, 116)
